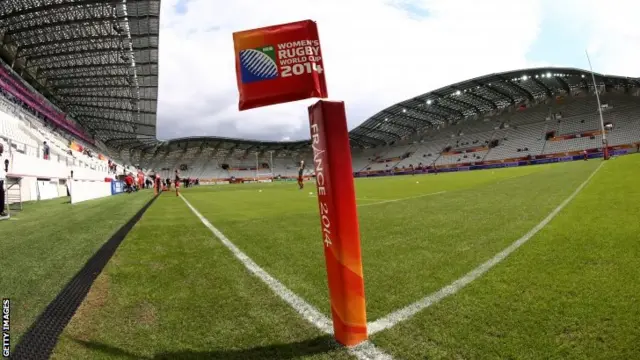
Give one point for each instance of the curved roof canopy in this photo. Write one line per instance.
(476, 97)
(97, 60)
(446, 105)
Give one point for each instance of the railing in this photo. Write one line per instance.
(38, 152)
(16, 88)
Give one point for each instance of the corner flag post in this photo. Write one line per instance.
(283, 63)
(605, 147)
(339, 220)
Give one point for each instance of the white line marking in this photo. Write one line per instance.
(402, 199)
(382, 201)
(407, 312)
(363, 351)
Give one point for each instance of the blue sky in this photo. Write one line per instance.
(420, 45)
(414, 10)
(558, 44)
(181, 7)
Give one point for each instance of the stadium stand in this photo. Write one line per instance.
(529, 113)
(88, 88)
(507, 120)
(78, 89)
(500, 118)
(78, 99)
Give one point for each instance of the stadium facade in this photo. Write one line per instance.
(463, 124)
(84, 74)
(96, 62)
(474, 99)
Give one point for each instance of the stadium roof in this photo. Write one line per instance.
(475, 97)
(97, 60)
(449, 104)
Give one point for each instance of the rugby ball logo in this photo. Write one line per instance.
(258, 64)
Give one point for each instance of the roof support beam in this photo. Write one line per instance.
(113, 130)
(92, 66)
(408, 116)
(517, 88)
(362, 145)
(89, 118)
(62, 23)
(448, 109)
(105, 97)
(102, 86)
(460, 102)
(104, 76)
(95, 71)
(421, 110)
(476, 96)
(403, 126)
(143, 146)
(54, 6)
(376, 141)
(496, 91)
(69, 22)
(484, 99)
(88, 39)
(80, 107)
(84, 51)
(544, 86)
(419, 105)
(370, 143)
(130, 139)
(457, 101)
(384, 132)
(563, 84)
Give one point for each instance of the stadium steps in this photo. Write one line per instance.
(433, 164)
(544, 146)
(411, 149)
(365, 167)
(544, 136)
(486, 154)
(493, 136)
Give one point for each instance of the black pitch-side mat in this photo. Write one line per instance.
(39, 341)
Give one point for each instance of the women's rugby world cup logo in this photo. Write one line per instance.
(258, 64)
(278, 64)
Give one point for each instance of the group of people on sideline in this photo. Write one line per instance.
(133, 183)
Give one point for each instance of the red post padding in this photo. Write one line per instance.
(339, 220)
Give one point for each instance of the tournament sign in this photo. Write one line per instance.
(283, 63)
(278, 64)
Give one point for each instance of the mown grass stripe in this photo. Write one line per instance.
(39, 341)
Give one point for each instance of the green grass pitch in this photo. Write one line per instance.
(173, 291)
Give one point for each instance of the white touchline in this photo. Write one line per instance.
(407, 312)
(401, 199)
(364, 351)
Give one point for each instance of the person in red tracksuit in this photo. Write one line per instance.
(157, 184)
(128, 180)
(300, 175)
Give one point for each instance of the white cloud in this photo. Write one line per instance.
(375, 54)
(612, 32)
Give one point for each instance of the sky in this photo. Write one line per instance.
(377, 53)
